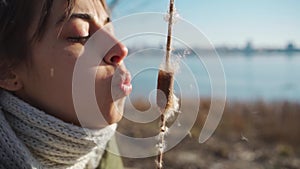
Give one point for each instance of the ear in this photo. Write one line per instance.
(11, 82)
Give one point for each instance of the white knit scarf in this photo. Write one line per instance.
(30, 139)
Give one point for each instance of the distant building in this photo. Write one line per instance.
(290, 47)
(248, 50)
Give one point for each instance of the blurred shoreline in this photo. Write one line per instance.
(224, 50)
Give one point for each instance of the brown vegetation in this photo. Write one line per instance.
(250, 135)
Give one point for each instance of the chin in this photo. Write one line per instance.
(115, 111)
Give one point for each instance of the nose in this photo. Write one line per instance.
(116, 54)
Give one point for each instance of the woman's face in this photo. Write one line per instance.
(47, 84)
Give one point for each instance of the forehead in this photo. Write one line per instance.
(94, 8)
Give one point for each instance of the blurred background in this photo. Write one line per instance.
(259, 46)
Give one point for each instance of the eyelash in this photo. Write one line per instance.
(80, 39)
(83, 39)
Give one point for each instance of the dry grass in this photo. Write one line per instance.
(250, 135)
(276, 122)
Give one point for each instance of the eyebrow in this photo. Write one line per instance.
(84, 16)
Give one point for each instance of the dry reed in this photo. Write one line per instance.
(166, 100)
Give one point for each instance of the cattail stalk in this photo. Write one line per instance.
(169, 37)
(166, 100)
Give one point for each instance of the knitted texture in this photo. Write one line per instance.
(30, 138)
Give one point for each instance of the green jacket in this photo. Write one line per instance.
(109, 160)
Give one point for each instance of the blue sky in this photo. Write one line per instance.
(267, 23)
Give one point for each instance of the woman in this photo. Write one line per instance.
(40, 42)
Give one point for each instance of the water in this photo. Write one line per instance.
(273, 77)
(268, 77)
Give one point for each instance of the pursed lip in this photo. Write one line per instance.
(121, 84)
(126, 85)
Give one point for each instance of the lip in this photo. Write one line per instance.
(126, 85)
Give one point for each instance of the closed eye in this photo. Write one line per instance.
(78, 39)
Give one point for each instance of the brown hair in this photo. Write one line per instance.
(16, 18)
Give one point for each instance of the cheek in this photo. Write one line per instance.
(103, 78)
(64, 57)
(62, 61)
(55, 53)
(54, 65)
(103, 84)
